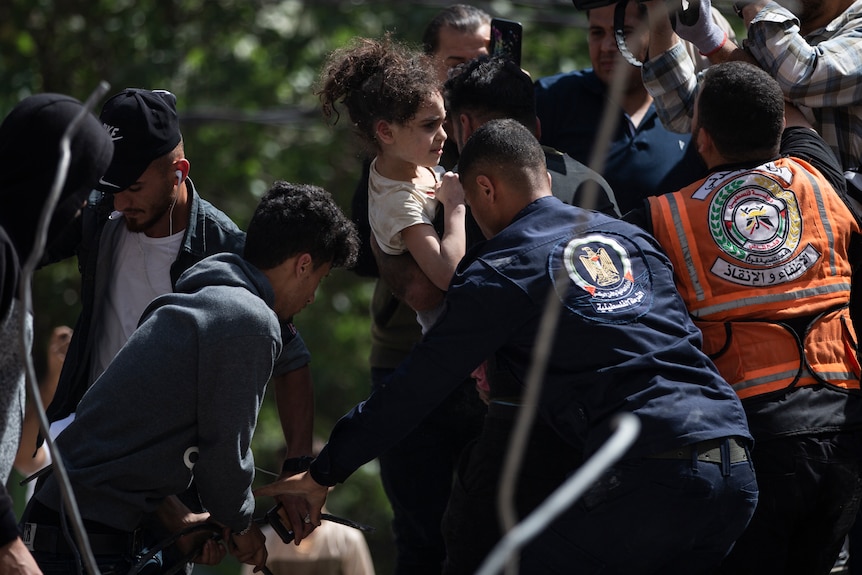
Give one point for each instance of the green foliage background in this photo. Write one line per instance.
(244, 73)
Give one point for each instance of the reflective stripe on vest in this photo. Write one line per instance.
(761, 357)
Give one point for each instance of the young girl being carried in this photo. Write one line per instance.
(393, 99)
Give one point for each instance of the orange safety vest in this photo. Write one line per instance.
(754, 248)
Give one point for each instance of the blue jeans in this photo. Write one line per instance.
(649, 516)
(417, 476)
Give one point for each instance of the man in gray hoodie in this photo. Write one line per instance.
(180, 400)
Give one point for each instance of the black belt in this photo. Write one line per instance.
(50, 539)
(708, 451)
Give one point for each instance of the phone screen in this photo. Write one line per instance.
(506, 39)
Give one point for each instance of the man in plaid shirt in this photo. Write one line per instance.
(815, 53)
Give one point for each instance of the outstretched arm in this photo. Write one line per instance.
(824, 75)
(669, 74)
(294, 399)
(299, 486)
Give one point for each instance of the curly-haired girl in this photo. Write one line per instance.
(393, 98)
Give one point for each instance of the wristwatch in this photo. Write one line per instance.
(294, 465)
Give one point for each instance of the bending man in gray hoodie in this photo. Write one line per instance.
(180, 400)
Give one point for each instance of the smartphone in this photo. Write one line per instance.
(506, 39)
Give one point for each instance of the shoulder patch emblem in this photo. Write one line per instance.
(603, 278)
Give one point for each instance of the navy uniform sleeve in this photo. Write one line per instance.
(470, 330)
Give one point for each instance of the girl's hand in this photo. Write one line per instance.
(450, 193)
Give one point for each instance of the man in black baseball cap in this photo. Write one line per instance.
(144, 126)
(143, 226)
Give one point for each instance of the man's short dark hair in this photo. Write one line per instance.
(292, 219)
(505, 147)
(461, 17)
(742, 108)
(491, 88)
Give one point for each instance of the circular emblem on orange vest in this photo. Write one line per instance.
(756, 221)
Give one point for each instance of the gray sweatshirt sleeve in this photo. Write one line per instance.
(294, 353)
(233, 375)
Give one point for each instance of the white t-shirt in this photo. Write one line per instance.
(394, 205)
(141, 271)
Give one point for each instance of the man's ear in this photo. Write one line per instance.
(705, 145)
(383, 132)
(304, 264)
(486, 187)
(467, 126)
(181, 165)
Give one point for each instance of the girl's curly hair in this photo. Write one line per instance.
(376, 80)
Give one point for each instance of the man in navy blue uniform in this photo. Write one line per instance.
(686, 489)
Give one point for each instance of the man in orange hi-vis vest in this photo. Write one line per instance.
(760, 249)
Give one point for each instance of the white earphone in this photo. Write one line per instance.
(179, 174)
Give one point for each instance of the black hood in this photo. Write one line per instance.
(29, 156)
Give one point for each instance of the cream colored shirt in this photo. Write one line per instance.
(395, 205)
